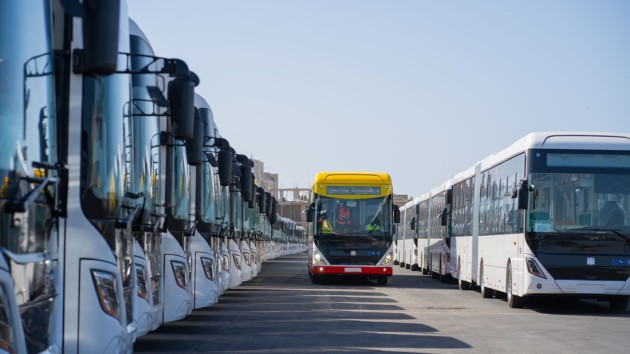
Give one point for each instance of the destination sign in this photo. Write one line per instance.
(588, 160)
(355, 190)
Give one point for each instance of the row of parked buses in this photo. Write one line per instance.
(546, 216)
(122, 207)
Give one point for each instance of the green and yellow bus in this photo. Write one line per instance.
(352, 217)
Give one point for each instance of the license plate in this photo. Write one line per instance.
(352, 270)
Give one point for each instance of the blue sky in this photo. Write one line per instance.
(419, 89)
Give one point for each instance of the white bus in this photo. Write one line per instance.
(421, 225)
(199, 251)
(546, 216)
(97, 245)
(437, 251)
(408, 250)
(30, 203)
(463, 212)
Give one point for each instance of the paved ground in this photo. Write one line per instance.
(280, 311)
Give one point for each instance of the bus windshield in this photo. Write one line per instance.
(353, 216)
(565, 201)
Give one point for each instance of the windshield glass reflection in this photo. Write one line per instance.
(353, 216)
(564, 201)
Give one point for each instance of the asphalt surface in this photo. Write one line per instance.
(280, 311)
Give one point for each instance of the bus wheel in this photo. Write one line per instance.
(315, 279)
(618, 304)
(513, 301)
(415, 268)
(382, 280)
(485, 292)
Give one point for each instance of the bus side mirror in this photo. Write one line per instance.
(100, 38)
(310, 212)
(246, 176)
(246, 184)
(396, 214)
(252, 195)
(522, 194)
(413, 223)
(225, 166)
(194, 147)
(444, 217)
(181, 100)
(261, 200)
(268, 202)
(274, 211)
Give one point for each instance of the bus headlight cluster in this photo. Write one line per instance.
(226, 262)
(141, 280)
(179, 270)
(105, 284)
(208, 267)
(237, 260)
(246, 258)
(533, 268)
(319, 258)
(387, 259)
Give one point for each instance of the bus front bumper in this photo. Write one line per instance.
(352, 270)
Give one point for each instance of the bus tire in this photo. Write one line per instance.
(415, 268)
(513, 301)
(382, 280)
(315, 279)
(618, 304)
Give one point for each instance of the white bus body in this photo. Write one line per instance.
(98, 306)
(410, 242)
(235, 259)
(30, 270)
(438, 247)
(463, 245)
(246, 264)
(538, 218)
(204, 287)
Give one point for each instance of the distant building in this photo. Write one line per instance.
(266, 180)
(401, 199)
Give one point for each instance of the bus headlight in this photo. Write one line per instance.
(237, 260)
(246, 258)
(179, 270)
(226, 262)
(141, 282)
(208, 268)
(105, 284)
(319, 258)
(533, 268)
(387, 259)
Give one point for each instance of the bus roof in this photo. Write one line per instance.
(362, 180)
(368, 178)
(560, 140)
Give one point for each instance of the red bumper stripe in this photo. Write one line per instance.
(351, 269)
